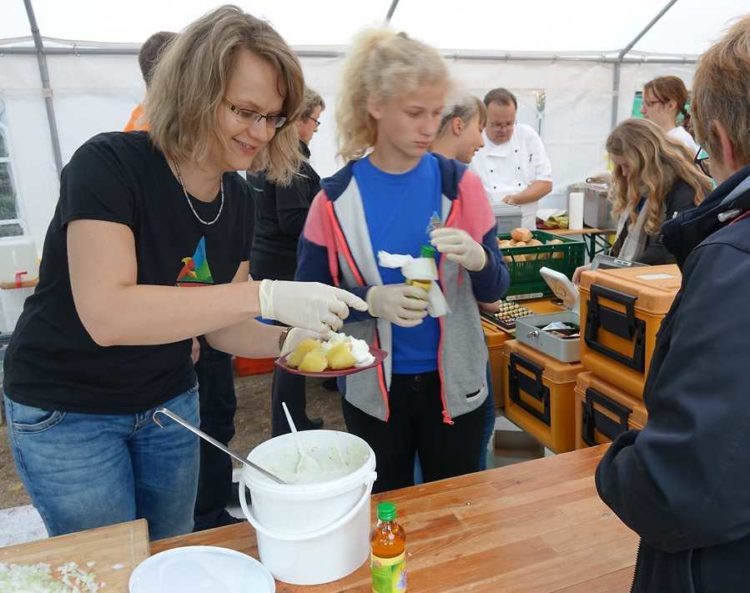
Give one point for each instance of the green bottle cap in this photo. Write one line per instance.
(386, 511)
(427, 251)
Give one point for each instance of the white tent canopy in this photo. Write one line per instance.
(587, 56)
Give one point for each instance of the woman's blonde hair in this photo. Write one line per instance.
(191, 78)
(656, 162)
(463, 106)
(383, 64)
(721, 92)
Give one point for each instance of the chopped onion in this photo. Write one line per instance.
(39, 578)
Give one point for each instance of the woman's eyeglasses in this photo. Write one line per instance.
(650, 104)
(248, 116)
(702, 160)
(317, 121)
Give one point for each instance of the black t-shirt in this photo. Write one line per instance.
(280, 214)
(52, 362)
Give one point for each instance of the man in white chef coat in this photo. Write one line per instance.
(513, 164)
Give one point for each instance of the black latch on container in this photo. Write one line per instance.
(625, 325)
(594, 420)
(518, 381)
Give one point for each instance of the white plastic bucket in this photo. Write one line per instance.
(309, 534)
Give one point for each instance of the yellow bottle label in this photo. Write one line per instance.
(388, 574)
(423, 284)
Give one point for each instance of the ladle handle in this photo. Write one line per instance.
(214, 442)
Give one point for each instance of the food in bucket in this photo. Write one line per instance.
(338, 353)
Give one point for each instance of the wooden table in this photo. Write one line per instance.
(533, 527)
(596, 240)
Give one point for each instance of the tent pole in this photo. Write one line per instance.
(616, 76)
(391, 10)
(46, 88)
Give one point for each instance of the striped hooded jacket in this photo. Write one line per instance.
(335, 248)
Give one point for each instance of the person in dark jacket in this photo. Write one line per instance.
(682, 483)
(654, 178)
(281, 211)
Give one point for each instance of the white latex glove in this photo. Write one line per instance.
(404, 305)
(294, 337)
(458, 246)
(308, 305)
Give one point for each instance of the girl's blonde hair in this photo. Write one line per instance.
(656, 162)
(463, 106)
(190, 82)
(383, 64)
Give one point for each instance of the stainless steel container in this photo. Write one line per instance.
(597, 211)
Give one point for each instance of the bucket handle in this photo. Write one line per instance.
(311, 534)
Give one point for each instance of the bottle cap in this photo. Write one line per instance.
(386, 511)
(427, 251)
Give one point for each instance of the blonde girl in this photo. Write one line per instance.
(395, 196)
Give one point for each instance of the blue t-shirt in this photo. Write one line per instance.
(398, 208)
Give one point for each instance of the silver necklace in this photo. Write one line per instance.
(182, 185)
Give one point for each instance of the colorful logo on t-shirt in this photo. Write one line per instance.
(195, 270)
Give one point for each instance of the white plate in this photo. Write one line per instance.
(201, 569)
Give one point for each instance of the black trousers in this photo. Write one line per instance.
(288, 388)
(218, 403)
(416, 425)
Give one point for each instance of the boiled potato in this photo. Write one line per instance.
(305, 346)
(314, 362)
(521, 234)
(340, 357)
(503, 244)
(534, 243)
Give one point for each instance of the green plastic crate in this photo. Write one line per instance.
(525, 280)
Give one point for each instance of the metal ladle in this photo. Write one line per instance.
(214, 442)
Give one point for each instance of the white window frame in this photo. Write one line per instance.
(14, 186)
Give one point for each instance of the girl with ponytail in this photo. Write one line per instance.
(394, 195)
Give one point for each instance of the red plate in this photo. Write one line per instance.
(376, 352)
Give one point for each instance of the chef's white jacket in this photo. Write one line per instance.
(511, 167)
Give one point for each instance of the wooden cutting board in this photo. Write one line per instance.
(116, 550)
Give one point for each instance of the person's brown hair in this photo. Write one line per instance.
(501, 97)
(191, 78)
(311, 101)
(656, 163)
(150, 51)
(721, 92)
(671, 88)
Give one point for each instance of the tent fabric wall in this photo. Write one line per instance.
(96, 93)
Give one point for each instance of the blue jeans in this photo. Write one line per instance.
(90, 470)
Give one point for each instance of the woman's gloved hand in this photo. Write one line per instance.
(308, 305)
(458, 246)
(401, 304)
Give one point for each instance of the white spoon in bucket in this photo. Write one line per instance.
(304, 457)
(214, 442)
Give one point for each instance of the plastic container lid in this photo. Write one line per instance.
(386, 511)
(427, 251)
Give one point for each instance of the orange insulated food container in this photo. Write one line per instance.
(540, 395)
(603, 412)
(495, 338)
(621, 312)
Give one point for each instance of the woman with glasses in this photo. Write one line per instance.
(653, 180)
(664, 101)
(280, 213)
(147, 248)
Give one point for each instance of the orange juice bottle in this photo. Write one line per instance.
(388, 552)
